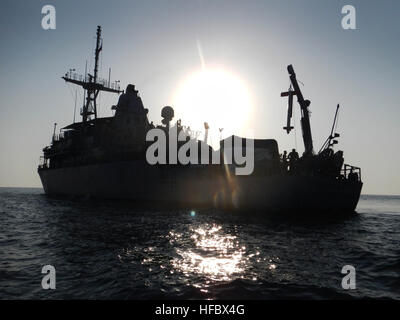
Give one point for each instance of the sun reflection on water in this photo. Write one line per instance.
(215, 255)
(201, 255)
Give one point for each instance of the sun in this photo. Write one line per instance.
(217, 97)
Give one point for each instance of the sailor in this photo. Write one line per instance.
(327, 153)
(353, 176)
(293, 157)
(131, 102)
(284, 156)
(284, 160)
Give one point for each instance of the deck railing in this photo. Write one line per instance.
(86, 78)
(351, 172)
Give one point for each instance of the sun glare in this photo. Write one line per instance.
(217, 97)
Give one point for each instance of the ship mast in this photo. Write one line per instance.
(92, 84)
(305, 113)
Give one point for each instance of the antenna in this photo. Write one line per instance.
(92, 84)
(54, 132)
(328, 142)
(206, 127)
(334, 120)
(76, 96)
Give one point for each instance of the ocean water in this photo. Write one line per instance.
(108, 250)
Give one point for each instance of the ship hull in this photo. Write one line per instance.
(294, 194)
(134, 180)
(200, 186)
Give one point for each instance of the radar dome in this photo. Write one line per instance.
(167, 113)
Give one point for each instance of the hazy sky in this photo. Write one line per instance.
(155, 45)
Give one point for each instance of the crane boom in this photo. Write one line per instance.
(305, 114)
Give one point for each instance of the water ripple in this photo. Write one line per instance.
(109, 250)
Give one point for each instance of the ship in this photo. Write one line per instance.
(106, 158)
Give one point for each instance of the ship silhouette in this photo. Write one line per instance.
(105, 158)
